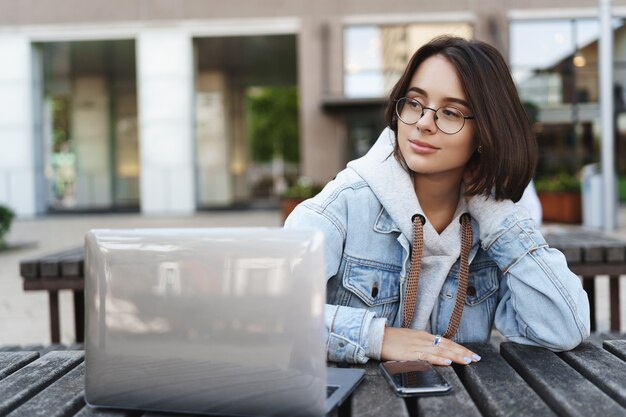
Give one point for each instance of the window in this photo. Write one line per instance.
(375, 55)
(555, 62)
(555, 66)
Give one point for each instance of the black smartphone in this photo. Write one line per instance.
(411, 378)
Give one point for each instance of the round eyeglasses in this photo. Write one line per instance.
(448, 119)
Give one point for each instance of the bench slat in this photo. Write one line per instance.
(616, 253)
(600, 367)
(572, 255)
(26, 382)
(593, 255)
(72, 267)
(457, 403)
(12, 361)
(29, 269)
(484, 381)
(588, 247)
(564, 389)
(616, 347)
(64, 397)
(49, 266)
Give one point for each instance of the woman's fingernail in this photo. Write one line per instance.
(447, 361)
(476, 357)
(466, 359)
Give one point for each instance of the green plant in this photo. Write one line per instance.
(303, 188)
(558, 182)
(6, 218)
(272, 123)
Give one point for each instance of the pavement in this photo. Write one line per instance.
(24, 315)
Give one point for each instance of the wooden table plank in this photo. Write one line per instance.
(600, 367)
(12, 361)
(457, 403)
(63, 398)
(88, 411)
(166, 414)
(374, 397)
(26, 382)
(616, 347)
(564, 389)
(484, 382)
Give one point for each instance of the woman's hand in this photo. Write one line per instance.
(408, 344)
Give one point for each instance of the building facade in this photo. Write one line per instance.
(140, 104)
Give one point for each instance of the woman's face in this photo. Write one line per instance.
(425, 148)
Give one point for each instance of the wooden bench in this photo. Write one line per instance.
(514, 381)
(590, 254)
(54, 272)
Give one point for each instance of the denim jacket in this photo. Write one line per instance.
(516, 282)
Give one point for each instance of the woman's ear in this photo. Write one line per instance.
(471, 168)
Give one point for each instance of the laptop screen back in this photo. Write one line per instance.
(223, 321)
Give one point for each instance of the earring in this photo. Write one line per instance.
(480, 149)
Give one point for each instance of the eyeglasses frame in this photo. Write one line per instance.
(424, 108)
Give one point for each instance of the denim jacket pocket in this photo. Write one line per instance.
(483, 283)
(372, 285)
(480, 302)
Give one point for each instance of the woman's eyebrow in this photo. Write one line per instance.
(448, 99)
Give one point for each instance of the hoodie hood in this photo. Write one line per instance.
(390, 183)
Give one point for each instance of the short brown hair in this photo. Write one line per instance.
(508, 155)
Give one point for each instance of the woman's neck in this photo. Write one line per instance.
(439, 197)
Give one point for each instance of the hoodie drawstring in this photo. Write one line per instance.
(416, 264)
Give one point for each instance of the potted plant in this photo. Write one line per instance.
(6, 218)
(301, 190)
(560, 198)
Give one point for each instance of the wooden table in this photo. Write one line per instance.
(589, 254)
(521, 380)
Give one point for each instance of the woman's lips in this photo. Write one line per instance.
(422, 147)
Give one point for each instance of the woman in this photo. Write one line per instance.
(425, 248)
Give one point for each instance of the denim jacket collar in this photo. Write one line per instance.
(384, 223)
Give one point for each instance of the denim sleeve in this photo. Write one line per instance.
(347, 331)
(347, 328)
(309, 215)
(542, 302)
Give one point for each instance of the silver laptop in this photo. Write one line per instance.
(216, 321)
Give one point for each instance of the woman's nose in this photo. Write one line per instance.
(427, 121)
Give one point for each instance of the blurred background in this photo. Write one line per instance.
(175, 106)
